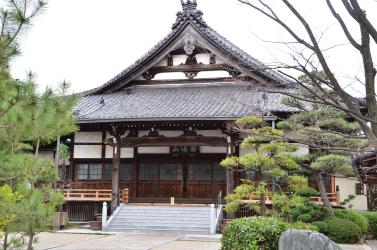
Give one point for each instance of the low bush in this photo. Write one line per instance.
(353, 216)
(304, 218)
(321, 225)
(372, 221)
(303, 226)
(253, 233)
(307, 192)
(340, 230)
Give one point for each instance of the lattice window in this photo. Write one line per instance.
(170, 172)
(88, 171)
(200, 172)
(219, 173)
(82, 171)
(148, 171)
(126, 171)
(95, 172)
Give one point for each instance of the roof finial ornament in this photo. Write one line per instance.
(189, 13)
(189, 5)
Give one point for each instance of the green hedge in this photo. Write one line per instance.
(303, 226)
(340, 230)
(353, 216)
(253, 233)
(372, 219)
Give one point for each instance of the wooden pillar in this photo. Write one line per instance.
(230, 174)
(115, 173)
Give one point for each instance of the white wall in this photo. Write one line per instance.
(153, 150)
(216, 133)
(347, 187)
(91, 137)
(212, 150)
(124, 152)
(87, 151)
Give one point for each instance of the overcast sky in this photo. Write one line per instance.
(87, 42)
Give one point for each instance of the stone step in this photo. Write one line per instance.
(163, 215)
(159, 223)
(168, 210)
(161, 218)
(161, 231)
(164, 211)
(178, 228)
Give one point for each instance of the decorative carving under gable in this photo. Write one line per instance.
(170, 60)
(233, 72)
(148, 75)
(212, 59)
(191, 75)
(191, 60)
(189, 47)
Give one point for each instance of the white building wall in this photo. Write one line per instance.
(348, 187)
(88, 137)
(125, 153)
(212, 150)
(153, 150)
(87, 151)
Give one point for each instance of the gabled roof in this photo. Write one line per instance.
(191, 16)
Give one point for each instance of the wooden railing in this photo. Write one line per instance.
(92, 195)
(334, 199)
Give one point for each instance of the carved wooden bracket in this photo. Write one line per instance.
(148, 75)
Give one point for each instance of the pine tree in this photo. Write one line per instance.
(331, 137)
(28, 119)
(272, 158)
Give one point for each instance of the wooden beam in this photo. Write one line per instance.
(172, 141)
(191, 68)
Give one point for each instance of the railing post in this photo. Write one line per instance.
(212, 220)
(104, 216)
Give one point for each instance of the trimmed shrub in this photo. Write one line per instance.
(304, 226)
(341, 230)
(304, 218)
(372, 219)
(307, 192)
(253, 233)
(353, 216)
(321, 225)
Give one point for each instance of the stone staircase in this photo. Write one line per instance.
(161, 219)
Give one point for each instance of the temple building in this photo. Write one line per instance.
(159, 127)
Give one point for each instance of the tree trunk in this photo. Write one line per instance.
(322, 191)
(37, 147)
(262, 204)
(5, 242)
(30, 243)
(372, 196)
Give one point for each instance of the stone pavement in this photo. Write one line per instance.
(369, 245)
(68, 241)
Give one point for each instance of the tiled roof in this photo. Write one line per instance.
(195, 17)
(221, 101)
